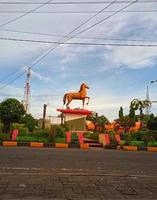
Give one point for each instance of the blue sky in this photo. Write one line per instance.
(115, 74)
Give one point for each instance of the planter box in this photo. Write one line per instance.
(152, 149)
(84, 146)
(61, 145)
(9, 143)
(36, 144)
(130, 148)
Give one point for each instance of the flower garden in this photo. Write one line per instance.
(129, 132)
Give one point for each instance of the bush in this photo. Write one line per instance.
(152, 144)
(60, 130)
(90, 135)
(74, 136)
(129, 136)
(123, 142)
(137, 143)
(5, 136)
(149, 136)
(40, 133)
(31, 139)
(60, 140)
(21, 127)
(152, 124)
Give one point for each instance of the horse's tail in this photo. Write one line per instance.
(64, 98)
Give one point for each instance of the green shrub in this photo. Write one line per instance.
(39, 133)
(27, 139)
(137, 143)
(152, 124)
(31, 139)
(21, 127)
(60, 140)
(60, 130)
(149, 136)
(132, 136)
(74, 136)
(5, 136)
(91, 135)
(152, 144)
(123, 142)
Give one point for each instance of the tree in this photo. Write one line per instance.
(132, 115)
(137, 104)
(126, 122)
(29, 121)
(121, 115)
(152, 123)
(11, 110)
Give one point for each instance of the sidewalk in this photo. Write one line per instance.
(43, 186)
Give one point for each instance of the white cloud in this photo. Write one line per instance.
(41, 77)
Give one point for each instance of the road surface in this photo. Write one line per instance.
(75, 174)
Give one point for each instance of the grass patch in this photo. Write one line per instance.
(137, 143)
(152, 144)
(60, 140)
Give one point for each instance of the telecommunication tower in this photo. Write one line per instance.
(26, 98)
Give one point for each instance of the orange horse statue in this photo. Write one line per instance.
(80, 95)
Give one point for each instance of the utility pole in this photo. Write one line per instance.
(26, 98)
(44, 116)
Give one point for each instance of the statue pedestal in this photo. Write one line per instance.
(75, 119)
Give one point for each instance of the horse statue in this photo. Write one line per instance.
(80, 95)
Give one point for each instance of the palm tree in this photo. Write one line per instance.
(137, 104)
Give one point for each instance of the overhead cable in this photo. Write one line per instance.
(83, 37)
(79, 12)
(62, 40)
(74, 2)
(27, 13)
(78, 43)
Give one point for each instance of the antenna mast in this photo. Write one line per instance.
(26, 98)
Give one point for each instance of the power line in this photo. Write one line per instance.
(17, 18)
(80, 43)
(27, 13)
(75, 2)
(53, 48)
(79, 12)
(118, 11)
(83, 37)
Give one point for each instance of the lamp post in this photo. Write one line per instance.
(44, 116)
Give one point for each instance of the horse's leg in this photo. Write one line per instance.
(68, 102)
(83, 100)
(88, 100)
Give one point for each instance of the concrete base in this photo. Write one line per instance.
(75, 119)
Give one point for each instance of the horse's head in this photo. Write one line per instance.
(85, 85)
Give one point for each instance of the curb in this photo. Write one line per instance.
(61, 145)
(42, 145)
(138, 148)
(9, 143)
(81, 146)
(130, 148)
(84, 146)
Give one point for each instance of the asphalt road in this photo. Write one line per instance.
(69, 174)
